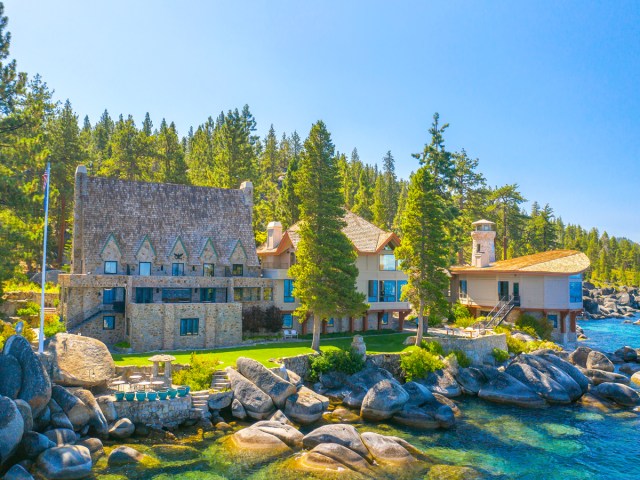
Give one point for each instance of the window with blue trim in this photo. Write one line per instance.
(575, 288)
(108, 322)
(108, 296)
(401, 285)
(373, 291)
(288, 291)
(144, 295)
(385, 318)
(207, 294)
(463, 288)
(388, 291)
(237, 270)
(177, 269)
(111, 267)
(331, 322)
(189, 326)
(287, 320)
(144, 269)
(553, 319)
(387, 262)
(208, 270)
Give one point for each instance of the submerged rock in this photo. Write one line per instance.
(452, 472)
(124, 455)
(503, 388)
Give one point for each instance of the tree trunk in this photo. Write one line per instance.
(317, 326)
(420, 331)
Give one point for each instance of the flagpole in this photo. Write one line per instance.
(44, 258)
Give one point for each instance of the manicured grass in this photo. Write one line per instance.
(381, 343)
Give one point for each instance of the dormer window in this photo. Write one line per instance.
(237, 269)
(208, 270)
(144, 269)
(387, 262)
(111, 267)
(177, 269)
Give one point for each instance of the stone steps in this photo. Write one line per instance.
(220, 381)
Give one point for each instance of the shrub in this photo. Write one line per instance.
(256, 319)
(122, 345)
(500, 355)
(465, 322)
(460, 311)
(199, 376)
(53, 325)
(516, 346)
(434, 321)
(346, 361)
(419, 363)
(30, 310)
(432, 346)
(504, 328)
(463, 360)
(542, 326)
(8, 329)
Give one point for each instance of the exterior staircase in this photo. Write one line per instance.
(220, 381)
(199, 403)
(501, 311)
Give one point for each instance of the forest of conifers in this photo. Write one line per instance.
(224, 151)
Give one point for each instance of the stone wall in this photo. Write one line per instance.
(389, 361)
(477, 349)
(13, 301)
(166, 413)
(298, 364)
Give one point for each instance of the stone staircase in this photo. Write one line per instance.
(199, 403)
(220, 381)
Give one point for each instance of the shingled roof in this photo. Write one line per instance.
(364, 235)
(553, 262)
(164, 213)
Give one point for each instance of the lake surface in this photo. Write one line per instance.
(571, 442)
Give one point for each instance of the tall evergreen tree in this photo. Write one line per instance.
(325, 272)
(170, 154)
(505, 201)
(364, 198)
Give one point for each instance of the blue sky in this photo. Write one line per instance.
(546, 94)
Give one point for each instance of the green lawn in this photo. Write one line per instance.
(381, 343)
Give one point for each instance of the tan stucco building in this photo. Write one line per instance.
(545, 284)
(379, 277)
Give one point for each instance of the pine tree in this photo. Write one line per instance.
(424, 252)
(325, 272)
(364, 198)
(379, 208)
(127, 159)
(288, 202)
(402, 203)
(505, 201)
(170, 154)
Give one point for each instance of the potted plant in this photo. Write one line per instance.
(141, 395)
(187, 388)
(172, 392)
(119, 396)
(151, 396)
(182, 392)
(162, 394)
(129, 396)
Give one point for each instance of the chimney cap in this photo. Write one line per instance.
(274, 225)
(81, 169)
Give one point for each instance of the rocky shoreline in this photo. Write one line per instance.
(609, 302)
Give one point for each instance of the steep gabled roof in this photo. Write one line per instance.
(364, 235)
(553, 262)
(164, 212)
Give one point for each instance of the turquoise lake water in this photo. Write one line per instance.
(563, 443)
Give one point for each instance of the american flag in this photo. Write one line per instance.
(45, 179)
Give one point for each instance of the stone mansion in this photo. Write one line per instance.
(164, 266)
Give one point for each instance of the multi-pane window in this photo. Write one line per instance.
(387, 261)
(237, 269)
(373, 291)
(108, 296)
(575, 288)
(388, 291)
(208, 270)
(267, 294)
(553, 318)
(287, 320)
(189, 326)
(288, 291)
(144, 269)
(207, 294)
(246, 294)
(144, 295)
(108, 322)
(177, 269)
(111, 267)
(176, 295)
(463, 289)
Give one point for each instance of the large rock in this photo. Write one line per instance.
(25, 412)
(33, 444)
(386, 450)
(35, 388)
(288, 434)
(122, 429)
(267, 381)
(540, 383)
(600, 376)
(124, 455)
(579, 356)
(342, 434)
(334, 458)
(257, 404)
(237, 410)
(383, 400)
(60, 420)
(17, 472)
(355, 395)
(628, 354)
(95, 447)
(471, 380)
(305, 406)
(368, 377)
(11, 428)
(79, 361)
(220, 400)
(69, 462)
(258, 444)
(10, 376)
(618, 393)
(428, 416)
(61, 436)
(442, 382)
(97, 420)
(630, 368)
(571, 370)
(599, 361)
(503, 388)
(541, 364)
(635, 379)
(108, 408)
(41, 422)
(418, 394)
(78, 413)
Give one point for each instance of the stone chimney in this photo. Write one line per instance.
(247, 188)
(80, 196)
(274, 235)
(484, 247)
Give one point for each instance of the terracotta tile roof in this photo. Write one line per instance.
(365, 236)
(554, 261)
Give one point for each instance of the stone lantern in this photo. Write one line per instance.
(359, 346)
(166, 360)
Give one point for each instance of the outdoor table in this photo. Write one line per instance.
(119, 384)
(135, 377)
(157, 383)
(144, 384)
